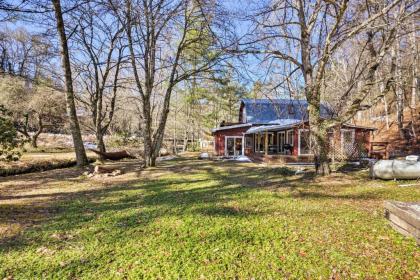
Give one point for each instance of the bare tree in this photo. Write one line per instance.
(81, 157)
(98, 62)
(159, 35)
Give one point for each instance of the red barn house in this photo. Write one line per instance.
(278, 128)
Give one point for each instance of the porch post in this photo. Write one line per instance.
(243, 144)
(258, 142)
(266, 142)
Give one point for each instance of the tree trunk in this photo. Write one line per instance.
(34, 143)
(414, 69)
(414, 87)
(148, 149)
(398, 91)
(185, 144)
(34, 139)
(101, 144)
(318, 133)
(319, 141)
(79, 149)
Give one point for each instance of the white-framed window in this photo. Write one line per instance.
(259, 141)
(234, 145)
(249, 141)
(290, 137)
(281, 136)
(304, 142)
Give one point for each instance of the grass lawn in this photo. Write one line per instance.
(191, 219)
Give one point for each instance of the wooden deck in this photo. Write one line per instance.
(281, 159)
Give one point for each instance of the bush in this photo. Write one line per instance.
(10, 141)
(123, 139)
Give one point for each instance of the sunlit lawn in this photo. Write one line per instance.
(191, 219)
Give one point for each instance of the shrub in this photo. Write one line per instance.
(10, 141)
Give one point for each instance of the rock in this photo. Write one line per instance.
(116, 172)
(299, 172)
(412, 158)
(243, 159)
(99, 169)
(104, 171)
(163, 152)
(204, 156)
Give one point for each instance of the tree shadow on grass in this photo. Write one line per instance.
(146, 199)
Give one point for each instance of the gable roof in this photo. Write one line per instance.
(275, 111)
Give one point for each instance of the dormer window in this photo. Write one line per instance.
(291, 109)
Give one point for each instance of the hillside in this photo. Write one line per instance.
(398, 146)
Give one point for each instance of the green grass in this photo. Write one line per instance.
(206, 220)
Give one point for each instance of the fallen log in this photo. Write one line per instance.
(113, 155)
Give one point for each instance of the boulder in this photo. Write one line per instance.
(204, 156)
(163, 152)
(106, 171)
(99, 169)
(412, 158)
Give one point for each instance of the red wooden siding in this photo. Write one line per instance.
(219, 138)
(362, 138)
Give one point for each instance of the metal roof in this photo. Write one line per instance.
(359, 126)
(269, 111)
(231, 126)
(263, 128)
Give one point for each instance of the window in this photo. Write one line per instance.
(270, 138)
(233, 145)
(291, 109)
(304, 147)
(281, 136)
(290, 135)
(248, 141)
(260, 141)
